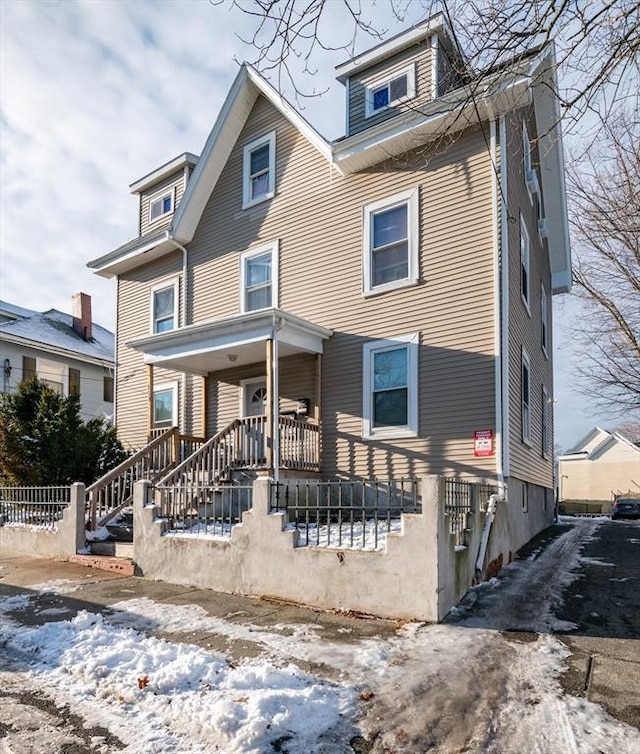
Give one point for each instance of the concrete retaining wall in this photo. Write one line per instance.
(421, 574)
(64, 540)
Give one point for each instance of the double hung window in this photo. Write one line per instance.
(164, 307)
(390, 384)
(259, 159)
(391, 242)
(526, 397)
(524, 264)
(544, 320)
(259, 278)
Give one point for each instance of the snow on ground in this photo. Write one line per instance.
(461, 686)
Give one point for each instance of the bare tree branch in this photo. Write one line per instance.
(605, 222)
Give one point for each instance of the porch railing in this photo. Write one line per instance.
(33, 506)
(114, 491)
(461, 498)
(243, 444)
(346, 515)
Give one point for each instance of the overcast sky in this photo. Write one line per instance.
(96, 94)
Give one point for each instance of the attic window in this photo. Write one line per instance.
(161, 206)
(259, 162)
(386, 93)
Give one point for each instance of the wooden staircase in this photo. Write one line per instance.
(114, 491)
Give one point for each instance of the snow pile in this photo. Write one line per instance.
(172, 697)
(369, 535)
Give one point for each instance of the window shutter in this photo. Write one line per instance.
(74, 381)
(28, 368)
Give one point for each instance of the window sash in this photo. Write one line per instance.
(391, 242)
(390, 387)
(385, 94)
(544, 319)
(164, 308)
(524, 263)
(164, 407)
(259, 170)
(160, 206)
(526, 398)
(258, 285)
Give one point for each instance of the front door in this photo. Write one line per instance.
(254, 404)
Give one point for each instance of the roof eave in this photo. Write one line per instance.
(146, 250)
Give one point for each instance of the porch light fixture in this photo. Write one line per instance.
(232, 357)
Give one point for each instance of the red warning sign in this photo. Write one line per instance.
(483, 442)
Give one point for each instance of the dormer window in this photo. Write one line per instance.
(161, 206)
(385, 93)
(259, 163)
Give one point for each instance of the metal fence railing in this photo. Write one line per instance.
(354, 515)
(203, 510)
(461, 498)
(33, 506)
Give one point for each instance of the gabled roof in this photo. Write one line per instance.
(531, 79)
(596, 443)
(52, 331)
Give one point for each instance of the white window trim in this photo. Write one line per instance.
(409, 197)
(369, 432)
(159, 196)
(410, 72)
(544, 320)
(546, 424)
(173, 386)
(525, 256)
(270, 139)
(274, 249)
(526, 425)
(171, 282)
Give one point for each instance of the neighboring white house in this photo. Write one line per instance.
(600, 466)
(68, 351)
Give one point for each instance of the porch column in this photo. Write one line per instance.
(205, 408)
(150, 398)
(269, 427)
(318, 411)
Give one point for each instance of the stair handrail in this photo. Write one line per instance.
(119, 471)
(202, 451)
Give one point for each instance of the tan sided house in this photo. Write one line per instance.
(373, 308)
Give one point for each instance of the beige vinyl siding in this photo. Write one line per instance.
(175, 182)
(616, 471)
(527, 462)
(420, 55)
(297, 380)
(318, 218)
(134, 321)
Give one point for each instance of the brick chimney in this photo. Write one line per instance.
(81, 312)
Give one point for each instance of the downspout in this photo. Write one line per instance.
(500, 322)
(183, 316)
(504, 242)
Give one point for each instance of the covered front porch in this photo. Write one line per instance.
(256, 413)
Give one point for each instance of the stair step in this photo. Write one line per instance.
(123, 566)
(112, 548)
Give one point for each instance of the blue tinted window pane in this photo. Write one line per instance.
(390, 369)
(390, 226)
(164, 325)
(381, 97)
(166, 204)
(259, 159)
